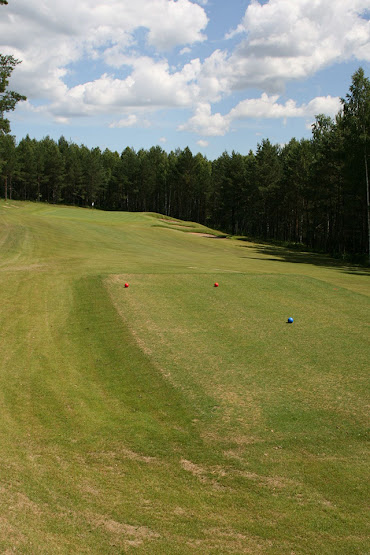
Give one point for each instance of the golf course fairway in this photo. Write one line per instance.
(172, 416)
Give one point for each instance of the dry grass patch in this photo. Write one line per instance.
(137, 534)
(219, 540)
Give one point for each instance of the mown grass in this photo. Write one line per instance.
(172, 416)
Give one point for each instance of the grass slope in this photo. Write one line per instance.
(174, 417)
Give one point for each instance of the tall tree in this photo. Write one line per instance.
(71, 190)
(130, 179)
(202, 188)
(8, 163)
(228, 192)
(356, 120)
(269, 173)
(28, 184)
(8, 99)
(53, 171)
(183, 184)
(296, 159)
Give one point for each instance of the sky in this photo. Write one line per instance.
(213, 75)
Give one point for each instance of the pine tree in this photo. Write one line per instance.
(356, 122)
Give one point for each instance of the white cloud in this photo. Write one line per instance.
(266, 107)
(204, 123)
(329, 105)
(239, 30)
(202, 143)
(61, 120)
(173, 23)
(292, 39)
(150, 86)
(214, 78)
(129, 121)
(48, 35)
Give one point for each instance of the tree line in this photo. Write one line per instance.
(313, 192)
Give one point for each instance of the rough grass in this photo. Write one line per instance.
(172, 416)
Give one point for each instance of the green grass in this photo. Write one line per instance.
(172, 416)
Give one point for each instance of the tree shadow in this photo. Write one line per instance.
(274, 253)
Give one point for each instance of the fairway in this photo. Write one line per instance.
(174, 417)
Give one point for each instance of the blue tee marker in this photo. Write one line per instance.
(290, 320)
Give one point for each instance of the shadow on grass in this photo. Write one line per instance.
(280, 254)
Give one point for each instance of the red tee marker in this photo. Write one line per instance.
(126, 284)
(216, 284)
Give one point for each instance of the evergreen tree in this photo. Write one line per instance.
(356, 123)
(93, 176)
(130, 180)
(8, 163)
(27, 159)
(269, 173)
(72, 185)
(202, 188)
(296, 158)
(53, 171)
(184, 184)
(111, 197)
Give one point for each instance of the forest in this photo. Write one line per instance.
(310, 192)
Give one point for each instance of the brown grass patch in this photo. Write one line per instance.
(200, 473)
(194, 469)
(14, 536)
(24, 503)
(178, 224)
(274, 482)
(128, 533)
(122, 451)
(205, 235)
(129, 454)
(169, 221)
(228, 541)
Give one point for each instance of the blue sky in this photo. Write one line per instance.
(213, 75)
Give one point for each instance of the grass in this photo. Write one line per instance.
(174, 417)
